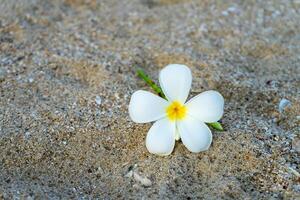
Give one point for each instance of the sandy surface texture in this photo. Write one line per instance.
(67, 71)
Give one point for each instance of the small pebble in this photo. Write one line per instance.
(98, 100)
(129, 174)
(232, 9)
(143, 180)
(225, 12)
(27, 135)
(283, 104)
(30, 80)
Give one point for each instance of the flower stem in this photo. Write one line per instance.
(151, 83)
(158, 90)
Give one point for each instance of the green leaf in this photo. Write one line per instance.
(216, 125)
(150, 82)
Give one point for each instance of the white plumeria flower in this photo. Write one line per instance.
(174, 118)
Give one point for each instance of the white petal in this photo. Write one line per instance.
(161, 137)
(146, 107)
(175, 81)
(207, 106)
(195, 135)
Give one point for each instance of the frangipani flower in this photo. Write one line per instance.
(175, 118)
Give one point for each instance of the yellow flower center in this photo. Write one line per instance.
(176, 111)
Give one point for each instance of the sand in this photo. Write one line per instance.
(67, 71)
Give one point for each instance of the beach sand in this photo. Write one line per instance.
(67, 71)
